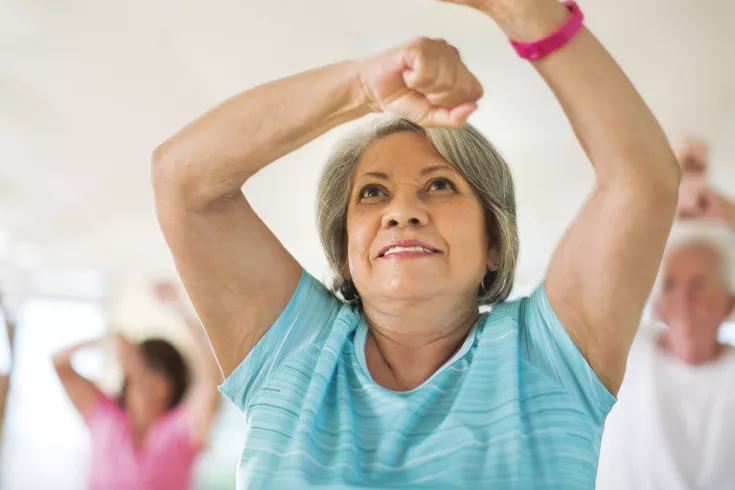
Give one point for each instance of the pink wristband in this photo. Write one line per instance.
(557, 40)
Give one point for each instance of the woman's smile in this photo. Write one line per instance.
(407, 249)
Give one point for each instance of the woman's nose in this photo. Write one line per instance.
(405, 210)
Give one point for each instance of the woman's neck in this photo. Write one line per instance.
(141, 426)
(405, 348)
(140, 431)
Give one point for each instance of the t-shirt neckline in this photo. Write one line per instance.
(360, 341)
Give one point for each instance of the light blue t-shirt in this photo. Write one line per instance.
(517, 407)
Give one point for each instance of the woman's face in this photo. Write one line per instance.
(416, 230)
(148, 397)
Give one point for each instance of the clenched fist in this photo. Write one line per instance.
(424, 81)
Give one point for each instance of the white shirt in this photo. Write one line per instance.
(673, 427)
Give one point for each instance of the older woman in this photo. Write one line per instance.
(401, 382)
(150, 435)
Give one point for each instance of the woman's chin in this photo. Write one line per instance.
(411, 289)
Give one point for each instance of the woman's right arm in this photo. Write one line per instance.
(236, 272)
(81, 391)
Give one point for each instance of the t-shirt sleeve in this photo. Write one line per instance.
(303, 323)
(547, 345)
(104, 416)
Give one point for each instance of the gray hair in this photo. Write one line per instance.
(715, 237)
(470, 153)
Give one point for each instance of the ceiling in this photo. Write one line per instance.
(89, 88)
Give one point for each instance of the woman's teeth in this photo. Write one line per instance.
(394, 250)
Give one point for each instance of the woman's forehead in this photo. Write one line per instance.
(400, 155)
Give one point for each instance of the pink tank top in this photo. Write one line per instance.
(165, 461)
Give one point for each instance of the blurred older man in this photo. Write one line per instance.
(673, 427)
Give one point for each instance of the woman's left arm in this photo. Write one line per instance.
(602, 271)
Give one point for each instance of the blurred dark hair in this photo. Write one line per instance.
(164, 358)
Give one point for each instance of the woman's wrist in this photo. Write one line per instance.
(361, 100)
(526, 21)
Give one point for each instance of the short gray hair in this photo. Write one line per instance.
(470, 153)
(716, 237)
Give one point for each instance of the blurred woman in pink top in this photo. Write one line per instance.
(149, 437)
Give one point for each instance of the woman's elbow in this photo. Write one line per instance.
(673, 175)
(172, 179)
(163, 170)
(666, 187)
(178, 179)
(650, 179)
(656, 170)
(659, 192)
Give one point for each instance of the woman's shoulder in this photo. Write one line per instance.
(541, 341)
(106, 413)
(310, 294)
(508, 312)
(526, 305)
(313, 303)
(500, 325)
(313, 320)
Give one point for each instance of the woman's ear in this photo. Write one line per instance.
(493, 259)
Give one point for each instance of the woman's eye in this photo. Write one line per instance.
(441, 185)
(371, 192)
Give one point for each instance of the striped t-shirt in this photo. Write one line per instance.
(517, 407)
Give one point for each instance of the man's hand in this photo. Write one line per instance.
(166, 292)
(698, 200)
(693, 156)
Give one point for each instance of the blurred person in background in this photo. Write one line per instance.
(403, 383)
(149, 437)
(673, 427)
(7, 333)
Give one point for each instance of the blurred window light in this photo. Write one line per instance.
(45, 443)
(86, 284)
(5, 356)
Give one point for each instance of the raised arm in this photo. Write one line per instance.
(238, 275)
(202, 399)
(81, 391)
(602, 271)
(129, 356)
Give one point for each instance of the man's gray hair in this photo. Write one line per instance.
(717, 237)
